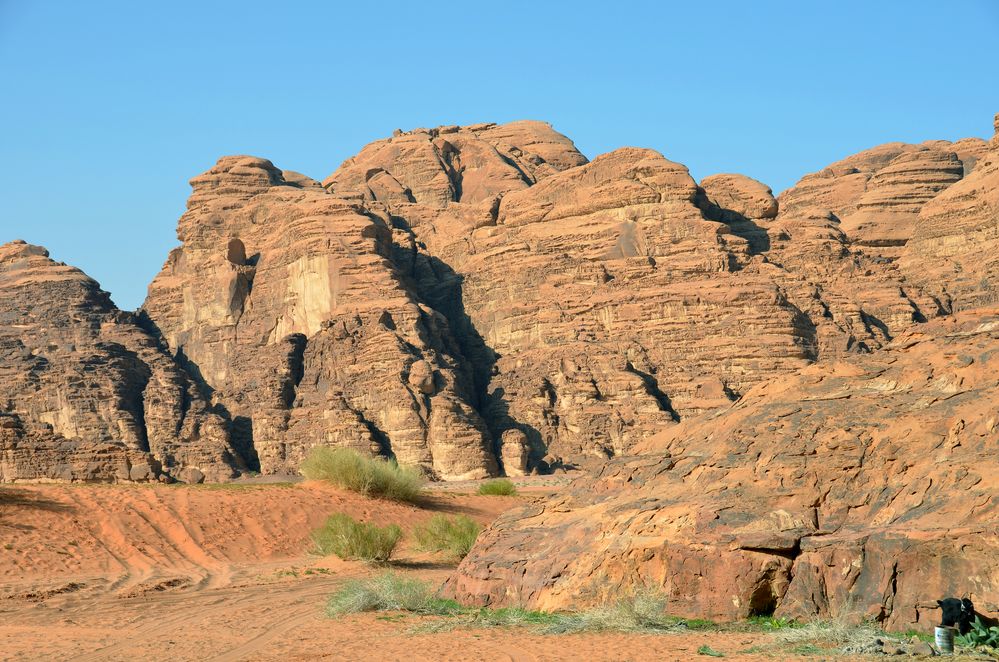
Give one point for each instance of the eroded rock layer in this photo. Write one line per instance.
(954, 252)
(481, 299)
(599, 302)
(864, 487)
(283, 301)
(86, 393)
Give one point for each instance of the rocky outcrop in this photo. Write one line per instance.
(86, 393)
(282, 300)
(864, 488)
(954, 251)
(471, 299)
(878, 193)
(599, 302)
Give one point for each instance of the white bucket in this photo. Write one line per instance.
(945, 639)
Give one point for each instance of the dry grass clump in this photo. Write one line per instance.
(453, 536)
(643, 611)
(388, 592)
(498, 487)
(850, 638)
(349, 539)
(370, 476)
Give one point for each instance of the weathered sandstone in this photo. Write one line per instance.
(598, 303)
(86, 393)
(954, 252)
(282, 300)
(863, 487)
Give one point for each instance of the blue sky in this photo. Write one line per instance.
(108, 108)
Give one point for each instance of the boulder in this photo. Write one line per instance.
(861, 488)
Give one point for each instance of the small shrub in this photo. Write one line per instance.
(642, 611)
(498, 487)
(773, 622)
(504, 617)
(388, 592)
(350, 470)
(350, 539)
(708, 650)
(452, 535)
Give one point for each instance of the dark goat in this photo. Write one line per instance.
(958, 613)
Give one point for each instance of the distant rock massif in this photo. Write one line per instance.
(802, 386)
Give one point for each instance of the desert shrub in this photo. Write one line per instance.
(842, 633)
(350, 539)
(350, 470)
(388, 592)
(980, 635)
(498, 487)
(642, 611)
(452, 535)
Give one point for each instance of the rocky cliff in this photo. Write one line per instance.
(282, 299)
(863, 487)
(86, 393)
(599, 302)
(467, 298)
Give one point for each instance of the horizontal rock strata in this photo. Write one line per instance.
(863, 487)
(86, 393)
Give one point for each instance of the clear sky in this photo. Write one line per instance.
(108, 108)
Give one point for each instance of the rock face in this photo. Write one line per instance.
(954, 252)
(597, 303)
(878, 193)
(283, 301)
(86, 393)
(482, 298)
(864, 486)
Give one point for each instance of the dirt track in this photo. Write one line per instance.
(196, 573)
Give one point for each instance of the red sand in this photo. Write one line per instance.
(127, 572)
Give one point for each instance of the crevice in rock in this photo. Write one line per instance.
(295, 368)
(756, 236)
(652, 386)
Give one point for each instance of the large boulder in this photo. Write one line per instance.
(863, 488)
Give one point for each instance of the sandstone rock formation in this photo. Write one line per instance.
(878, 193)
(474, 298)
(86, 393)
(283, 301)
(863, 487)
(599, 302)
(954, 251)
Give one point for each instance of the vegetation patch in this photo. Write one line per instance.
(388, 592)
(453, 536)
(641, 612)
(349, 539)
(980, 635)
(498, 487)
(370, 476)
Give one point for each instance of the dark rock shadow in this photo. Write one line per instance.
(755, 235)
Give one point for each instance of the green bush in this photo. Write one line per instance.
(452, 535)
(980, 635)
(388, 592)
(350, 539)
(498, 487)
(350, 470)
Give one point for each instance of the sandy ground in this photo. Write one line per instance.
(128, 572)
